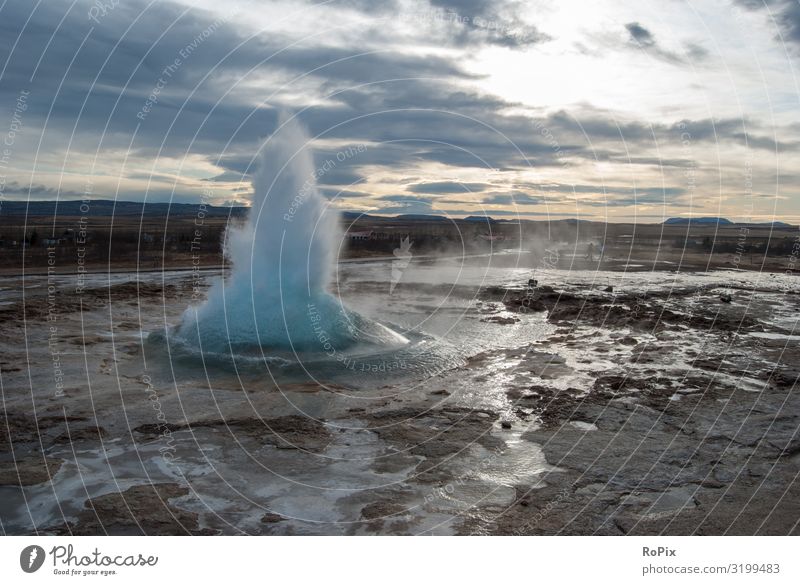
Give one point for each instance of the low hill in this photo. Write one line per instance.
(109, 207)
(697, 221)
(721, 221)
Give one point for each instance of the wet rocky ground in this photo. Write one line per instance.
(644, 405)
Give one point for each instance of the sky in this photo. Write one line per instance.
(603, 110)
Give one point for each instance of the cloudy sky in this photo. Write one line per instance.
(604, 110)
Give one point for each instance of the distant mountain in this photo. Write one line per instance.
(698, 220)
(576, 221)
(422, 217)
(725, 222)
(772, 224)
(108, 207)
(354, 215)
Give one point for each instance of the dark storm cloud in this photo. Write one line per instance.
(786, 13)
(607, 188)
(648, 200)
(489, 140)
(643, 39)
(640, 34)
(447, 187)
(484, 139)
(178, 194)
(423, 209)
(489, 22)
(332, 193)
(754, 4)
(790, 20)
(725, 129)
(94, 78)
(512, 198)
(616, 157)
(379, 6)
(766, 142)
(237, 163)
(340, 177)
(406, 199)
(609, 194)
(226, 177)
(428, 92)
(17, 190)
(599, 127)
(98, 77)
(538, 194)
(403, 204)
(695, 52)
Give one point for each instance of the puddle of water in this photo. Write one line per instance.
(583, 425)
(774, 336)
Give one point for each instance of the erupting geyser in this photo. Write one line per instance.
(276, 295)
